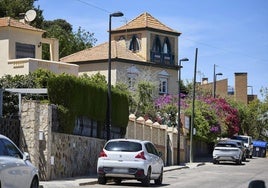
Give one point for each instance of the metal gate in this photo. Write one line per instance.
(11, 129)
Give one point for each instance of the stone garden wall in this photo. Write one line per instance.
(60, 155)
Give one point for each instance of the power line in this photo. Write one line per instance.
(94, 6)
(225, 50)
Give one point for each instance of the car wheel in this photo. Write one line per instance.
(102, 180)
(215, 161)
(238, 162)
(146, 181)
(160, 179)
(118, 181)
(35, 183)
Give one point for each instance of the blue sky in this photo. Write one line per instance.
(233, 34)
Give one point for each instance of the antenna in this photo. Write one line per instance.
(30, 15)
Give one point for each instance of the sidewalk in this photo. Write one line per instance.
(91, 180)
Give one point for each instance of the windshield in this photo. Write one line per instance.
(123, 146)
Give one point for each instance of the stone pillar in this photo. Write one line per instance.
(36, 122)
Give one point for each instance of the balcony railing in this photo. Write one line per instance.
(162, 58)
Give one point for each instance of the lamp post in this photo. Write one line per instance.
(215, 80)
(109, 107)
(179, 110)
(193, 109)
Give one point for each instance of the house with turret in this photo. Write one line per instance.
(142, 45)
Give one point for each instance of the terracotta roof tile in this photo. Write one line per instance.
(118, 49)
(10, 22)
(145, 20)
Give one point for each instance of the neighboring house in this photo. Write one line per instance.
(238, 93)
(21, 50)
(142, 45)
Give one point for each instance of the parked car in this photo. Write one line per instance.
(227, 151)
(16, 170)
(242, 147)
(123, 159)
(247, 142)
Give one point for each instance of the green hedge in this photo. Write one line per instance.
(77, 97)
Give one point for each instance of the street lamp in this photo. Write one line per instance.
(179, 110)
(109, 107)
(215, 80)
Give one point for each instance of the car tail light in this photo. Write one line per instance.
(140, 156)
(102, 154)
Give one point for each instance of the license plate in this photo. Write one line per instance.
(120, 170)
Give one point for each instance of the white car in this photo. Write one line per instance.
(123, 159)
(227, 151)
(16, 170)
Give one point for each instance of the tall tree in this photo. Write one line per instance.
(69, 41)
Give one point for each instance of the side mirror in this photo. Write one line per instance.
(26, 156)
(160, 154)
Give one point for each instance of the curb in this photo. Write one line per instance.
(165, 170)
(94, 180)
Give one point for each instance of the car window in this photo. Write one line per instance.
(3, 150)
(10, 149)
(123, 146)
(226, 145)
(151, 149)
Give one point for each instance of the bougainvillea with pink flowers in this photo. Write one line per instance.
(214, 117)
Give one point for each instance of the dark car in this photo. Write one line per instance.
(242, 147)
(247, 142)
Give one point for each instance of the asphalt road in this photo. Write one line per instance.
(224, 175)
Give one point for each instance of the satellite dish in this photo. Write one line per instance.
(30, 15)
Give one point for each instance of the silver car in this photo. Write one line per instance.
(123, 159)
(16, 170)
(227, 151)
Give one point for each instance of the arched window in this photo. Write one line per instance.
(134, 44)
(157, 44)
(166, 46)
(122, 37)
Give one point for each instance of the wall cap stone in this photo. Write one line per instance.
(140, 119)
(149, 122)
(132, 117)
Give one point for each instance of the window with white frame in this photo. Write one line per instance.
(163, 89)
(131, 81)
(163, 82)
(132, 74)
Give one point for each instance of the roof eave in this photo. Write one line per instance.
(129, 61)
(146, 28)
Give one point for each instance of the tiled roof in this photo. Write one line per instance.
(145, 20)
(10, 22)
(118, 50)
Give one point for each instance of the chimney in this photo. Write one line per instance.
(204, 80)
(241, 87)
